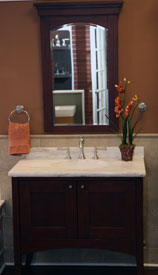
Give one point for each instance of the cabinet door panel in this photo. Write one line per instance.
(106, 208)
(48, 209)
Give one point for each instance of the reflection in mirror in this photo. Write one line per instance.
(79, 67)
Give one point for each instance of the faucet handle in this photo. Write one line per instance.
(81, 142)
(68, 153)
(81, 147)
(96, 151)
(95, 154)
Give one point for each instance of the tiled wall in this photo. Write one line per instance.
(1, 237)
(150, 143)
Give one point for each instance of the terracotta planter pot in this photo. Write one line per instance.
(127, 152)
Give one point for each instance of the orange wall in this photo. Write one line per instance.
(20, 59)
(138, 55)
(20, 63)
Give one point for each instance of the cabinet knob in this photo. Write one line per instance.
(82, 186)
(70, 186)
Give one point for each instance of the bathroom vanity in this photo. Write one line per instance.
(59, 203)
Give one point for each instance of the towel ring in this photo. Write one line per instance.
(19, 109)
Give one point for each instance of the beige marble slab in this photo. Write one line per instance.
(50, 162)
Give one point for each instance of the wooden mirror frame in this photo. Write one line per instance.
(55, 14)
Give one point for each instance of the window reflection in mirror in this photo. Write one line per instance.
(79, 68)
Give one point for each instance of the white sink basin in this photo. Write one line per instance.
(65, 111)
(60, 153)
(78, 165)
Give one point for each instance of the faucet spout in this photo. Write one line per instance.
(81, 147)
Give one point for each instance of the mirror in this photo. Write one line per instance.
(70, 106)
(79, 66)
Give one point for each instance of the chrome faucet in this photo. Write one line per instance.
(81, 147)
(95, 156)
(68, 153)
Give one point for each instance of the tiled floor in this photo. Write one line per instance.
(72, 270)
(62, 270)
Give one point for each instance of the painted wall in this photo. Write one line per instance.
(138, 55)
(20, 55)
(20, 66)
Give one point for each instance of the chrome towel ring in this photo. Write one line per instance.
(19, 109)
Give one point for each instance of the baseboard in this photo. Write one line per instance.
(58, 269)
(150, 265)
(146, 265)
(78, 264)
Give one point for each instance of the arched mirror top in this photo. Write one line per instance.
(89, 103)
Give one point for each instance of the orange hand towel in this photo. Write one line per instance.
(19, 138)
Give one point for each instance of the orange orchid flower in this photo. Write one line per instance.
(119, 88)
(118, 111)
(118, 108)
(126, 112)
(118, 100)
(128, 109)
(135, 98)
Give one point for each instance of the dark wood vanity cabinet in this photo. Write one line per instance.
(52, 209)
(103, 213)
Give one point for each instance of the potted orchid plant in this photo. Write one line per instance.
(126, 113)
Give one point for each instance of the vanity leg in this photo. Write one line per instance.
(139, 247)
(16, 227)
(140, 266)
(17, 262)
(29, 258)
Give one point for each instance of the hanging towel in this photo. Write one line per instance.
(19, 138)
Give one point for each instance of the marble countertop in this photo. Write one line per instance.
(50, 162)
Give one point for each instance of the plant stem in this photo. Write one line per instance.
(130, 132)
(124, 131)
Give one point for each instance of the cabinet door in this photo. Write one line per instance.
(48, 208)
(106, 208)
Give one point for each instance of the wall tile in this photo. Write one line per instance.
(9, 255)
(1, 234)
(1, 259)
(8, 232)
(151, 255)
(6, 161)
(6, 192)
(55, 142)
(35, 142)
